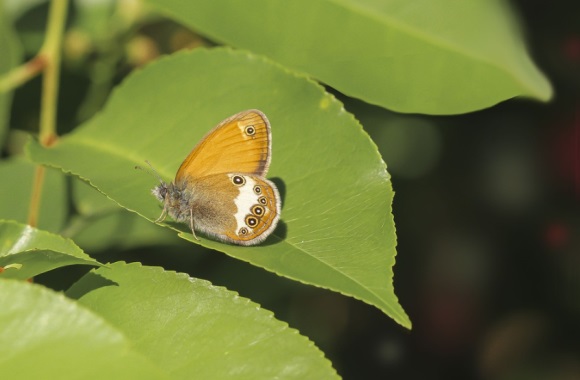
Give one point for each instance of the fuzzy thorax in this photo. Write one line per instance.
(176, 201)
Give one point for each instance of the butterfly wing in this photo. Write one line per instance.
(235, 207)
(239, 144)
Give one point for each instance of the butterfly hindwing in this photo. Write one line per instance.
(240, 143)
(235, 207)
(258, 210)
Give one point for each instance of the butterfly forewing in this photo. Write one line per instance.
(240, 144)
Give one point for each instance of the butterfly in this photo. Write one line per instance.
(220, 189)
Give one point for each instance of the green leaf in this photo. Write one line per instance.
(187, 326)
(27, 251)
(10, 56)
(47, 336)
(101, 224)
(421, 56)
(16, 191)
(337, 230)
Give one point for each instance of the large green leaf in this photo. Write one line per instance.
(101, 224)
(17, 180)
(420, 56)
(26, 251)
(47, 336)
(10, 56)
(337, 230)
(192, 329)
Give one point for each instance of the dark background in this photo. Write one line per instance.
(486, 208)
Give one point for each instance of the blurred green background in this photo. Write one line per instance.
(486, 208)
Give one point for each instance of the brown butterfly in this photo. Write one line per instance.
(220, 188)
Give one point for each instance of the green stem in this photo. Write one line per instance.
(49, 54)
(34, 207)
(51, 51)
(21, 74)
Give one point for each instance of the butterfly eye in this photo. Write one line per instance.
(251, 221)
(250, 130)
(238, 180)
(257, 210)
(257, 190)
(163, 192)
(263, 200)
(243, 231)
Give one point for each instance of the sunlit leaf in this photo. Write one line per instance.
(47, 336)
(421, 56)
(337, 230)
(17, 176)
(190, 328)
(26, 251)
(101, 224)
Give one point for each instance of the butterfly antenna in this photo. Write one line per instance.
(152, 172)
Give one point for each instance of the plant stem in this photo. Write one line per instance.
(34, 207)
(51, 51)
(21, 74)
(50, 54)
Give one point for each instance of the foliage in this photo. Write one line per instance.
(337, 230)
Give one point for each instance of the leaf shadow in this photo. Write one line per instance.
(90, 281)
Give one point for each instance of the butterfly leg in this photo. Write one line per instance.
(162, 216)
(191, 223)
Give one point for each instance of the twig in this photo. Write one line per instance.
(49, 54)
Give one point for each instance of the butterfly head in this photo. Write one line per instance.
(172, 197)
(160, 191)
(176, 201)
